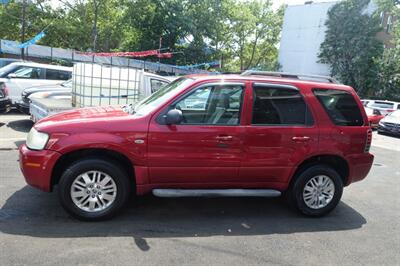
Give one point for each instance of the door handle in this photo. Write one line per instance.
(301, 139)
(224, 138)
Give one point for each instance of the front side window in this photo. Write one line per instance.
(212, 105)
(279, 106)
(28, 73)
(340, 106)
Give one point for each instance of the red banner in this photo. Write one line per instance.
(164, 55)
(131, 54)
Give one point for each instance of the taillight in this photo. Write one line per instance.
(390, 110)
(376, 112)
(368, 140)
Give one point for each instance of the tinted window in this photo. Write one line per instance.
(212, 105)
(279, 106)
(340, 106)
(57, 74)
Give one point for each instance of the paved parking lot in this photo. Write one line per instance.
(363, 229)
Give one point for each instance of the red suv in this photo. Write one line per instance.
(228, 135)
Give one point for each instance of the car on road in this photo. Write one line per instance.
(384, 107)
(44, 91)
(5, 103)
(21, 75)
(390, 124)
(374, 116)
(253, 135)
(365, 102)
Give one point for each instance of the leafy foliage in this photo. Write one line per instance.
(351, 46)
(389, 63)
(241, 34)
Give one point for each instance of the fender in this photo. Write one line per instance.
(124, 145)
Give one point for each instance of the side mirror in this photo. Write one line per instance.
(11, 75)
(173, 117)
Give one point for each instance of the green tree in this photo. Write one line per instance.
(389, 63)
(351, 46)
(255, 28)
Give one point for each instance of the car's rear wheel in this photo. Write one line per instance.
(316, 191)
(93, 189)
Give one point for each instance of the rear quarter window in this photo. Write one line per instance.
(341, 107)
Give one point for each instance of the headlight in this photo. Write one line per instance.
(36, 140)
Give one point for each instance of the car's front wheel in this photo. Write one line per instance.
(317, 190)
(93, 189)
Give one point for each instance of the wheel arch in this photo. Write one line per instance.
(335, 161)
(68, 158)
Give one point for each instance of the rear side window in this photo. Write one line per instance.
(57, 74)
(279, 106)
(341, 107)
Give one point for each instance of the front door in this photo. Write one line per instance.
(281, 133)
(206, 147)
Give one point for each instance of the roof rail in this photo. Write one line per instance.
(307, 77)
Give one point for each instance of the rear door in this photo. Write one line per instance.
(206, 148)
(281, 133)
(344, 122)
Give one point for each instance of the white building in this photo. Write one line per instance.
(303, 31)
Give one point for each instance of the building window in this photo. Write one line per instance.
(382, 18)
(389, 24)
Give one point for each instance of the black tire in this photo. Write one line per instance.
(295, 193)
(112, 169)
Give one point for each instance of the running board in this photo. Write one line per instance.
(175, 193)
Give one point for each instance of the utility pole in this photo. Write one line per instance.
(159, 49)
(23, 28)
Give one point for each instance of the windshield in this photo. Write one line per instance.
(150, 103)
(4, 71)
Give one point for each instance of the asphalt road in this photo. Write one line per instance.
(363, 229)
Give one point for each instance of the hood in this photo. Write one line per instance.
(391, 119)
(81, 118)
(31, 90)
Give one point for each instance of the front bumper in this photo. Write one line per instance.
(392, 130)
(5, 105)
(37, 166)
(23, 107)
(360, 165)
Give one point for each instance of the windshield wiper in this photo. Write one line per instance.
(130, 109)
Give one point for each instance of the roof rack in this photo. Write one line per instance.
(307, 77)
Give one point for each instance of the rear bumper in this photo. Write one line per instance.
(359, 166)
(37, 166)
(374, 120)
